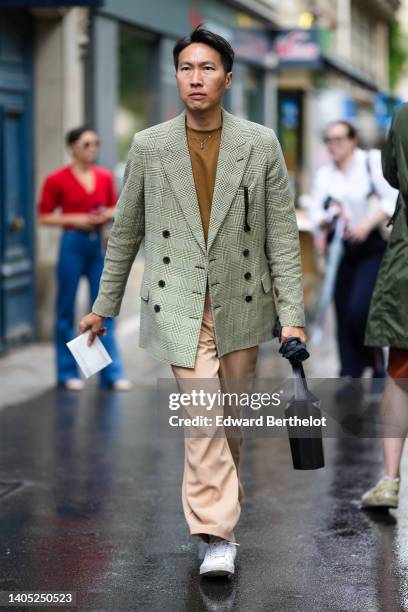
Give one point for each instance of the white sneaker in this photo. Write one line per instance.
(122, 385)
(219, 558)
(74, 384)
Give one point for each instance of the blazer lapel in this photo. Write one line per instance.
(175, 158)
(232, 159)
(234, 153)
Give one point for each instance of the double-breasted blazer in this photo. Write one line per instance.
(252, 256)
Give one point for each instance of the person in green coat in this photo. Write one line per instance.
(388, 318)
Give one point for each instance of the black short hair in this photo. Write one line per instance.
(351, 130)
(75, 134)
(217, 42)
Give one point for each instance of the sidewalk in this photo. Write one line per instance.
(89, 504)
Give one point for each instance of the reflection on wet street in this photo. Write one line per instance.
(90, 502)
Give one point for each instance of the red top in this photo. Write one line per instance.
(62, 190)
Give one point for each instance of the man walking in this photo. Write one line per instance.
(209, 193)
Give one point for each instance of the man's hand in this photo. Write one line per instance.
(93, 322)
(294, 332)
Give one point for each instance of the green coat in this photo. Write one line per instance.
(388, 317)
(253, 275)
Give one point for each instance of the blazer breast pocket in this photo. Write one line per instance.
(246, 198)
(266, 281)
(144, 290)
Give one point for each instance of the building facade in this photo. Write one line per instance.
(131, 75)
(299, 64)
(333, 63)
(402, 84)
(109, 63)
(42, 80)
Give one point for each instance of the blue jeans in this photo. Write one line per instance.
(81, 254)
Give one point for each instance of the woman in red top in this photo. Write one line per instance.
(80, 197)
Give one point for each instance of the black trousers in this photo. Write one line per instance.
(354, 288)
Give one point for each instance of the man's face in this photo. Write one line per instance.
(338, 142)
(201, 78)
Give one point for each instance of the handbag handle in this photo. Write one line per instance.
(373, 188)
(295, 351)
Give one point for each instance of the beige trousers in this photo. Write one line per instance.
(211, 489)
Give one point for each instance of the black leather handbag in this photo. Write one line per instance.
(305, 441)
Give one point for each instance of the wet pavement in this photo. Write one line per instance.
(90, 502)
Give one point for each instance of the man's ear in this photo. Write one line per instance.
(228, 78)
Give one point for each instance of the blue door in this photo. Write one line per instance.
(16, 192)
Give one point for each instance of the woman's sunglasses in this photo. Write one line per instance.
(90, 143)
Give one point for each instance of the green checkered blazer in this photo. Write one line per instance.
(254, 274)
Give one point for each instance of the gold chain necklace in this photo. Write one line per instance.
(202, 142)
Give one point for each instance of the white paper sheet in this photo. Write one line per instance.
(91, 359)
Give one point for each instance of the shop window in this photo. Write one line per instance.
(252, 93)
(290, 132)
(137, 96)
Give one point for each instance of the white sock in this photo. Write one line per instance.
(391, 479)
